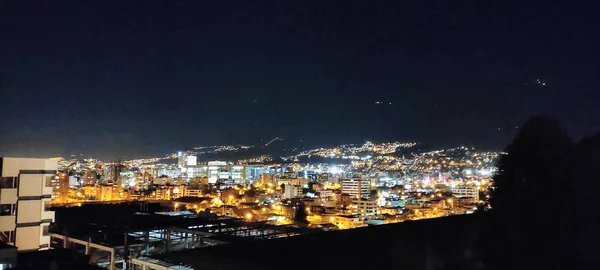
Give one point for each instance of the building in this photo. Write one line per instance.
(89, 178)
(466, 191)
(356, 187)
(192, 192)
(24, 192)
(168, 171)
(266, 179)
(216, 170)
(168, 192)
(365, 207)
(326, 194)
(292, 191)
(60, 188)
(106, 193)
(185, 160)
(255, 172)
(345, 221)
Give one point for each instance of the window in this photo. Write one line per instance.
(8, 182)
(45, 230)
(7, 209)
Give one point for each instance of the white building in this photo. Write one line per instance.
(356, 187)
(292, 191)
(365, 207)
(184, 160)
(466, 191)
(24, 191)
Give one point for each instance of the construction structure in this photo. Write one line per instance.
(136, 239)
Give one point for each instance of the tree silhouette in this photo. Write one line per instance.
(582, 220)
(524, 214)
(300, 213)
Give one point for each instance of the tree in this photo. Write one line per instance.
(300, 214)
(583, 218)
(531, 176)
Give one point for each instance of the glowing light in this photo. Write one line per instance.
(249, 216)
(335, 170)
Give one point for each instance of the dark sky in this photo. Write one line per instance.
(137, 78)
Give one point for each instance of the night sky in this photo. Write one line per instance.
(140, 78)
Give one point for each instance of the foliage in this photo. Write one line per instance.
(300, 215)
(532, 175)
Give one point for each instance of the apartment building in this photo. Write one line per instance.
(356, 187)
(466, 191)
(25, 189)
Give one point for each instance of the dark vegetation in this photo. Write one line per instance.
(544, 211)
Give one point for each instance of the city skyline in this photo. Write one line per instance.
(117, 78)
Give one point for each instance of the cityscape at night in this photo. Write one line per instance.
(181, 135)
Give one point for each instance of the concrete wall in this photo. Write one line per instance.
(12, 166)
(28, 238)
(29, 211)
(34, 175)
(32, 184)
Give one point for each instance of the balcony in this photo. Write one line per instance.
(48, 215)
(7, 223)
(8, 196)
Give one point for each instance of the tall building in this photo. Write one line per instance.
(24, 192)
(60, 187)
(89, 178)
(356, 187)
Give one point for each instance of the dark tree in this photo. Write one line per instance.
(300, 214)
(525, 211)
(582, 193)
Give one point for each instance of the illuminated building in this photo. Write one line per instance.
(167, 171)
(89, 178)
(216, 170)
(255, 172)
(365, 207)
(356, 187)
(89, 191)
(466, 191)
(292, 191)
(60, 188)
(266, 179)
(105, 193)
(24, 192)
(189, 192)
(325, 193)
(345, 221)
(184, 160)
(169, 192)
